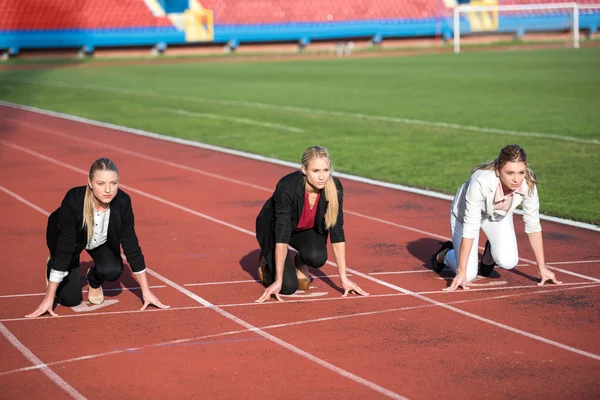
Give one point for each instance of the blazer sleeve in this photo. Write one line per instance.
(474, 204)
(531, 212)
(66, 243)
(337, 231)
(283, 213)
(129, 239)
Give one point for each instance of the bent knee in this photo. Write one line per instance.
(471, 275)
(505, 262)
(288, 288)
(315, 259)
(70, 301)
(109, 273)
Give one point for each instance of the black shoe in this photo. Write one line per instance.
(435, 264)
(486, 269)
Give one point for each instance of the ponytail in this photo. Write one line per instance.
(88, 212)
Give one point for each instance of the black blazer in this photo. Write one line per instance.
(66, 237)
(280, 214)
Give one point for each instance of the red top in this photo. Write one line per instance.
(307, 219)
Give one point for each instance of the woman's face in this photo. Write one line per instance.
(105, 185)
(317, 173)
(512, 175)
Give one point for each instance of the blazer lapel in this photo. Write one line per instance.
(320, 216)
(491, 194)
(114, 223)
(300, 189)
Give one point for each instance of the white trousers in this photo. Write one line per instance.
(503, 242)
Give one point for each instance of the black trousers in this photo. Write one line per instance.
(107, 267)
(312, 249)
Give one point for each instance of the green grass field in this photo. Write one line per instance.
(419, 121)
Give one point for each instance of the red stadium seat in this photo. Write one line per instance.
(77, 14)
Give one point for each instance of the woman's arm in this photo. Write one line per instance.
(281, 251)
(537, 244)
(460, 280)
(339, 252)
(134, 255)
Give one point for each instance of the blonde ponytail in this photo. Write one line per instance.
(88, 212)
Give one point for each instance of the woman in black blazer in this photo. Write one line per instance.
(98, 218)
(305, 208)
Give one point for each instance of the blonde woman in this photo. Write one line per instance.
(97, 217)
(487, 201)
(306, 207)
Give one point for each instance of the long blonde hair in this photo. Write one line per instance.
(331, 193)
(101, 164)
(510, 153)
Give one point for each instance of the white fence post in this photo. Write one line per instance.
(457, 29)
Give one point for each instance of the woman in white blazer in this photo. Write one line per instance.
(487, 201)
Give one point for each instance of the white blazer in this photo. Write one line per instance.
(474, 202)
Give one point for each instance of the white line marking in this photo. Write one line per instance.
(575, 262)
(61, 383)
(285, 325)
(22, 200)
(10, 296)
(353, 271)
(95, 314)
(302, 300)
(239, 321)
(249, 281)
(243, 154)
(416, 271)
(233, 119)
(276, 340)
(310, 111)
(479, 318)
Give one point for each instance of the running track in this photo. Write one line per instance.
(195, 210)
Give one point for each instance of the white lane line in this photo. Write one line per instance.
(246, 155)
(249, 281)
(284, 344)
(231, 119)
(10, 296)
(416, 271)
(309, 111)
(575, 262)
(306, 300)
(38, 364)
(94, 314)
(380, 220)
(285, 325)
(353, 271)
(252, 328)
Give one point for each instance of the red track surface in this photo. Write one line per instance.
(507, 338)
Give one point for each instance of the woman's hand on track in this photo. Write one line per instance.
(546, 275)
(150, 298)
(460, 280)
(350, 286)
(271, 290)
(46, 306)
